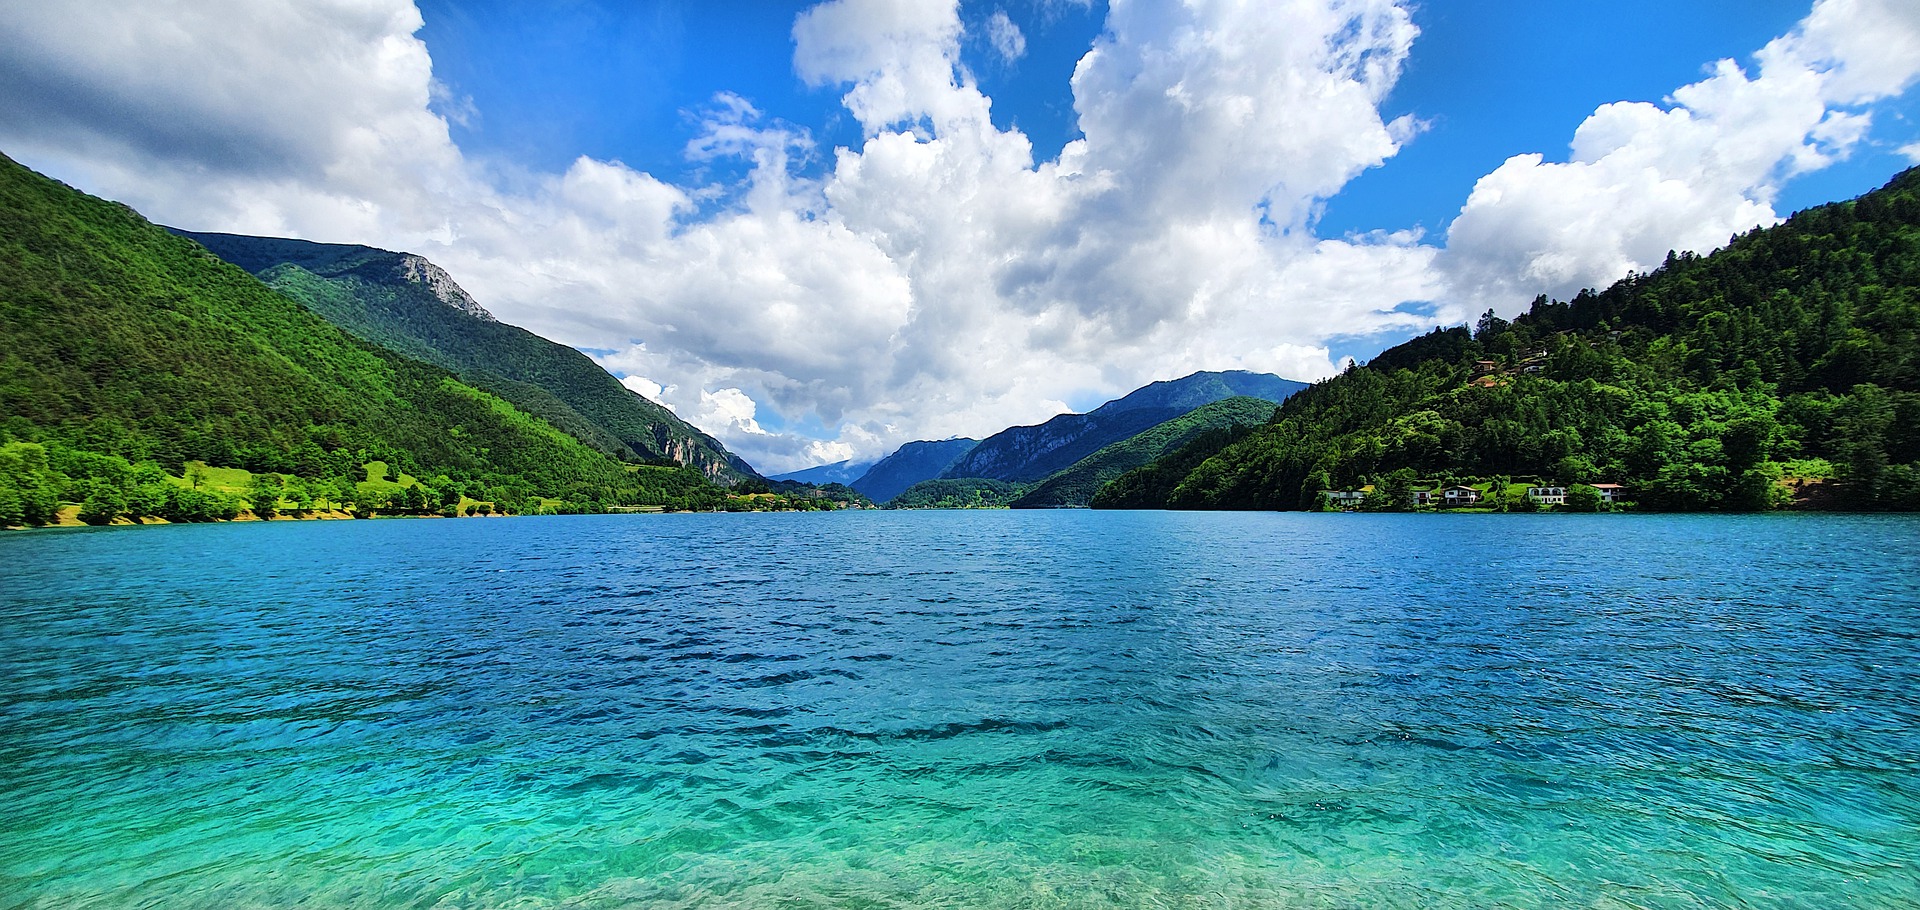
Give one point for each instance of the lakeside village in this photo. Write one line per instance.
(1497, 495)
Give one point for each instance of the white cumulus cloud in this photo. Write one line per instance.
(1708, 163)
(642, 386)
(937, 279)
(730, 408)
(1005, 36)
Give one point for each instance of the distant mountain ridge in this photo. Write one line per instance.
(821, 475)
(1075, 486)
(405, 302)
(910, 464)
(1031, 453)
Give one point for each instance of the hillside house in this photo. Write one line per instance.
(1611, 492)
(1420, 498)
(1548, 496)
(1482, 367)
(1460, 496)
(1343, 499)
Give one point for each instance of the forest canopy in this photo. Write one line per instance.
(1781, 370)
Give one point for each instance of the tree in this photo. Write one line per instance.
(1396, 491)
(12, 512)
(263, 495)
(31, 482)
(751, 486)
(1756, 490)
(299, 494)
(146, 500)
(1490, 324)
(1497, 493)
(1313, 491)
(340, 493)
(104, 504)
(1583, 498)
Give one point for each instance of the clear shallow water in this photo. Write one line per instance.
(1057, 709)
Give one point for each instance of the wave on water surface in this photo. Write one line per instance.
(1036, 709)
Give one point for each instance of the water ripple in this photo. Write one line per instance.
(1033, 710)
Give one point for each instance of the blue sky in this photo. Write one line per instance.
(1496, 79)
(821, 229)
(626, 80)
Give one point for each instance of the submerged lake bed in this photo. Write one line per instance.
(965, 709)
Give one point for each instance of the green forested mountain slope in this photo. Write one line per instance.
(119, 340)
(1205, 387)
(923, 459)
(1076, 485)
(958, 493)
(403, 302)
(1716, 382)
(1032, 453)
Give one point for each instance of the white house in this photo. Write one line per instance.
(1610, 492)
(1461, 496)
(1343, 498)
(1548, 496)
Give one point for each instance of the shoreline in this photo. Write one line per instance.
(70, 518)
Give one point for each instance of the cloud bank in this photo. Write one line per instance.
(1644, 179)
(937, 280)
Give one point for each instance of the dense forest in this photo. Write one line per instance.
(922, 459)
(1030, 454)
(128, 354)
(406, 304)
(1076, 486)
(959, 493)
(1781, 371)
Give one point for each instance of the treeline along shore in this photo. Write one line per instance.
(143, 378)
(1781, 371)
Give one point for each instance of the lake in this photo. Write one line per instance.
(964, 709)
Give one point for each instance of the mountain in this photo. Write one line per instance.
(406, 303)
(958, 493)
(122, 343)
(1192, 391)
(1076, 485)
(1027, 454)
(909, 465)
(1780, 371)
(821, 475)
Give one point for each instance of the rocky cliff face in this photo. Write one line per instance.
(419, 270)
(708, 458)
(405, 302)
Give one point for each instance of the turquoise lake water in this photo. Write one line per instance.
(964, 709)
